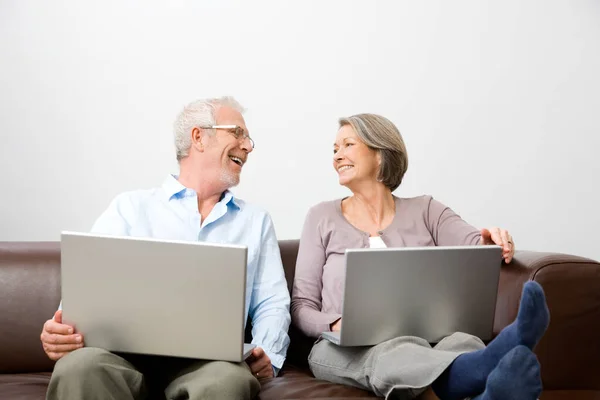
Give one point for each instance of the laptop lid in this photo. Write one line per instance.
(150, 296)
(427, 292)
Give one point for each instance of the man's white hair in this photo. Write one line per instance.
(195, 115)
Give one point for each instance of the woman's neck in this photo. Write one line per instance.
(371, 210)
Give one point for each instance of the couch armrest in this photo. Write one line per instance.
(569, 353)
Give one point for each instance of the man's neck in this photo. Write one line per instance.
(208, 191)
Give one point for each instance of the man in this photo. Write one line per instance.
(212, 145)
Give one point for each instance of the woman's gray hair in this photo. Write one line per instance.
(380, 134)
(196, 114)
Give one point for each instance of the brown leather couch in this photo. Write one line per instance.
(569, 353)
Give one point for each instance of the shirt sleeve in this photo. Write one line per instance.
(448, 228)
(308, 281)
(114, 220)
(270, 302)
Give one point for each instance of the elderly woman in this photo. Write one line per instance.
(370, 159)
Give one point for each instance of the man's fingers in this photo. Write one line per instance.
(58, 316)
(62, 348)
(266, 372)
(62, 339)
(258, 352)
(54, 327)
(259, 364)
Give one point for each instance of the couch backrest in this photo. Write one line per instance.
(30, 294)
(300, 345)
(289, 253)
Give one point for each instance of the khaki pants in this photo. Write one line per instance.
(401, 368)
(92, 373)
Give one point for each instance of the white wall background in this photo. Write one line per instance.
(498, 103)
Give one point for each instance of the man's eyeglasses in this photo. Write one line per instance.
(237, 131)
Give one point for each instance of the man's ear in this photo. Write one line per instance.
(197, 136)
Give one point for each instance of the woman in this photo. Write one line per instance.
(370, 158)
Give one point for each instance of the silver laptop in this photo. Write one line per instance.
(159, 297)
(428, 292)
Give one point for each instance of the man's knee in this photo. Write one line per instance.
(81, 362)
(226, 380)
(92, 364)
(94, 373)
(228, 372)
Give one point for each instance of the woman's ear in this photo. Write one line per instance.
(378, 158)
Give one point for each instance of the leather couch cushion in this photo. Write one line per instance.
(291, 384)
(294, 383)
(24, 386)
(571, 395)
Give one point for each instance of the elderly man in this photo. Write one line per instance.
(212, 145)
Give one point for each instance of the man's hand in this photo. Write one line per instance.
(336, 326)
(502, 238)
(260, 364)
(59, 339)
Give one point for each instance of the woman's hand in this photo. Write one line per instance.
(336, 326)
(502, 238)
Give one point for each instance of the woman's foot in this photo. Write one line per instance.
(467, 375)
(517, 377)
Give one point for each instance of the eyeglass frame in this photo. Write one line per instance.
(235, 132)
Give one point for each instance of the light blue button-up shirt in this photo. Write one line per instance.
(171, 212)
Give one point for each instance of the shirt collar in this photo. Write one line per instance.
(228, 197)
(173, 187)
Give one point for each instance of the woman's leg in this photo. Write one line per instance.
(468, 373)
(458, 366)
(403, 366)
(517, 377)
